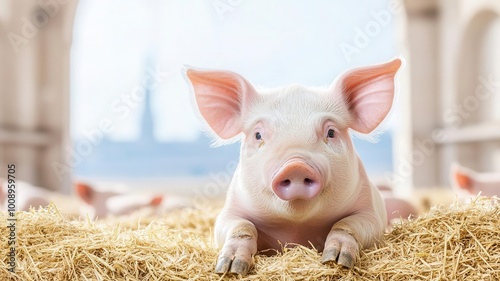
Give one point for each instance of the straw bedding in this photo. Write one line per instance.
(459, 242)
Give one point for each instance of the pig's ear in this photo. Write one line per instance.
(462, 178)
(155, 201)
(369, 93)
(85, 192)
(221, 96)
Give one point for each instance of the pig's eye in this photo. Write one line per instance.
(331, 134)
(258, 137)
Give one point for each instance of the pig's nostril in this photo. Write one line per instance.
(285, 183)
(308, 181)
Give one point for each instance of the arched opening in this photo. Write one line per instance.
(478, 103)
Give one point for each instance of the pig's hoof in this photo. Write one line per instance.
(237, 266)
(223, 265)
(340, 247)
(235, 257)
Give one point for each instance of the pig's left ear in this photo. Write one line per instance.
(369, 93)
(222, 97)
(85, 192)
(462, 178)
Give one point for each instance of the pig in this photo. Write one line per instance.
(159, 203)
(94, 200)
(299, 179)
(27, 195)
(396, 208)
(115, 200)
(470, 183)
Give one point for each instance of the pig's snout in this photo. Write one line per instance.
(296, 180)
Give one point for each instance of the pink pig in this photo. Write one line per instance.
(299, 179)
(471, 182)
(115, 200)
(27, 195)
(396, 208)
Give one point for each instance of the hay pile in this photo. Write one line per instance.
(460, 242)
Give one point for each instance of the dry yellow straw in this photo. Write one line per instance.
(459, 242)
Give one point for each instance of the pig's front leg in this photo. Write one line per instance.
(346, 236)
(239, 239)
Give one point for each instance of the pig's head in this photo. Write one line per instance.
(296, 151)
(95, 201)
(470, 183)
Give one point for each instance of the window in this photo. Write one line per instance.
(131, 112)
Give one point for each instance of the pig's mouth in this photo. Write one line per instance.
(296, 180)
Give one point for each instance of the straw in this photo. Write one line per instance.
(457, 242)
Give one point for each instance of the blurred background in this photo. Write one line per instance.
(93, 90)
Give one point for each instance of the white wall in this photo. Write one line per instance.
(453, 114)
(34, 92)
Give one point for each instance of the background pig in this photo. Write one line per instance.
(27, 195)
(470, 182)
(299, 179)
(396, 208)
(96, 202)
(159, 204)
(115, 200)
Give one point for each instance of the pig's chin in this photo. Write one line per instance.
(298, 209)
(299, 205)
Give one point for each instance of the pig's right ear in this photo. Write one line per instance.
(462, 178)
(369, 93)
(85, 192)
(222, 97)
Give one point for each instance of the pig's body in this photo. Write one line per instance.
(28, 195)
(299, 179)
(396, 208)
(32, 196)
(96, 202)
(302, 223)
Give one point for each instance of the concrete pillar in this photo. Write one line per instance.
(34, 97)
(418, 160)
